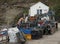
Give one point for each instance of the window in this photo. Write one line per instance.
(39, 11)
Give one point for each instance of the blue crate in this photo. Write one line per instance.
(26, 31)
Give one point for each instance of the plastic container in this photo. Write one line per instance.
(26, 31)
(28, 36)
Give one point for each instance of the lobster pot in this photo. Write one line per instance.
(36, 34)
(28, 36)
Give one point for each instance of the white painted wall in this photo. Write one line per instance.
(39, 5)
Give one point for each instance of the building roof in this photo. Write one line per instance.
(41, 4)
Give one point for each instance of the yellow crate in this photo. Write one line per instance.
(28, 36)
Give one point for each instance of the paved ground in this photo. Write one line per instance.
(47, 39)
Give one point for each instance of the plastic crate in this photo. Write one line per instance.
(28, 36)
(26, 31)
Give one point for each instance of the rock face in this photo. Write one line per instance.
(11, 14)
(2, 17)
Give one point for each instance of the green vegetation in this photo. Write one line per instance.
(25, 11)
